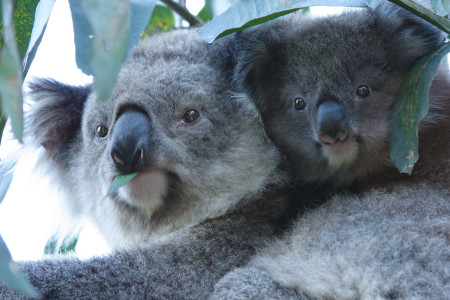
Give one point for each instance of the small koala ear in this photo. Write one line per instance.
(259, 53)
(408, 36)
(54, 120)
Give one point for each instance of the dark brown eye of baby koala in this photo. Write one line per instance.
(362, 91)
(299, 104)
(101, 131)
(190, 116)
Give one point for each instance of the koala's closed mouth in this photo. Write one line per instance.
(340, 153)
(147, 189)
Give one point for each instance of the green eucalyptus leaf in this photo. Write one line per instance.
(110, 22)
(119, 181)
(162, 20)
(3, 120)
(246, 13)
(55, 246)
(207, 13)
(11, 275)
(410, 108)
(446, 5)
(141, 11)
(10, 77)
(417, 8)
(373, 3)
(24, 11)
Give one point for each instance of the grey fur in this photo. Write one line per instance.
(390, 240)
(222, 191)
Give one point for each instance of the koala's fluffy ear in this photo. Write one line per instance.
(54, 119)
(407, 36)
(259, 48)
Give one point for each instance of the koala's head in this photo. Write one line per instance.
(199, 148)
(326, 86)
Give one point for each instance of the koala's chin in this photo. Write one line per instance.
(340, 154)
(147, 190)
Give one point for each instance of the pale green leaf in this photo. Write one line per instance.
(110, 22)
(410, 108)
(11, 275)
(162, 20)
(207, 13)
(10, 77)
(246, 13)
(85, 34)
(119, 181)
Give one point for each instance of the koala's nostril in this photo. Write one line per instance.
(117, 158)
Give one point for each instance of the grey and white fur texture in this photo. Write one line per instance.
(326, 88)
(210, 188)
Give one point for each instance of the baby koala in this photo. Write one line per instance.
(210, 188)
(326, 89)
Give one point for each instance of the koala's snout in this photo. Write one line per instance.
(332, 122)
(131, 141)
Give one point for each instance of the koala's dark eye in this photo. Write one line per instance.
(299, 104)
(190, 116)
(101, 131)
(362, 91)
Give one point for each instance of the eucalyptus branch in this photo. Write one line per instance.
(424, 13)
(183, 12)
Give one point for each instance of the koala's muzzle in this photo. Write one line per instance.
(131, 141)
(332, 123)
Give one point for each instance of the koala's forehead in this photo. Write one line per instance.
(341, 44)
(166, 72)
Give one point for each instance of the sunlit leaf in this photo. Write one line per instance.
(67, 245)
(10, 77)
(119, 181)
(246, 13)
(6, 176)
(162, 20)
(207, 13)
(11, 275)
(410, 109)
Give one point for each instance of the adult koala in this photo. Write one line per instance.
(210, 188)
(326, 88)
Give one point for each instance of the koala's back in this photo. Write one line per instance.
(384, 244)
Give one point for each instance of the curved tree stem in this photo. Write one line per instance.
(183, 12)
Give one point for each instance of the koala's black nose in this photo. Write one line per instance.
(130, 141)
(332, 122)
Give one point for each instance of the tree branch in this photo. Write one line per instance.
(183, 12)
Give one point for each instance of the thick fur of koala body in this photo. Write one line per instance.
(390, 240)
(210, 189)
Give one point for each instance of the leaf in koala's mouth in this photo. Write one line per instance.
(119, 181)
